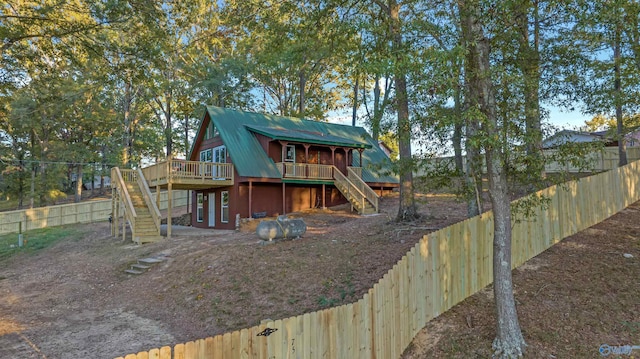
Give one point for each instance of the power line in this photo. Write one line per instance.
(60, 162)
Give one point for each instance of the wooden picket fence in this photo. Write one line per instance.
(444, 268)
(84, 212)
(602, 160)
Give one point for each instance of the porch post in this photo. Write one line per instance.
(250, 193)
(169, 205)
(349, 161)
(284, 149)
(158, 196)
(113, 208)
(306, 159)
(323, 195)
(333, 155)
(284, 199)
(361, 150)
(284, 155)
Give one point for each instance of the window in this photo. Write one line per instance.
(206, 156)
(220, 154)
(200, 207)
(211, 131)
(290, 154)
(224, 206)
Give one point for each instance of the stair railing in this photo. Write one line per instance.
(356, 179)
(146, 194)
(129, 211)
(352, 190)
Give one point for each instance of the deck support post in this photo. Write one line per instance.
(158, 196)
(113, 209)
(333, 155)
(169, 205)
(284, 198)
(306, 160)
(250, 199)
(324, 188)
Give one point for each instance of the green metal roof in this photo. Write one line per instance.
(307, 137)
(250, 160)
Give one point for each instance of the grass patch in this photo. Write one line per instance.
(34, 240)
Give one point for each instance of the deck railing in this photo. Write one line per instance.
(356, 179)
(305, 170)
(119, 178)
(176, 170)
(351, 189)
(356, 170)
(148, 199)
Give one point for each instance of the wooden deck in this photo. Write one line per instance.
(189, 174)
(310, 171)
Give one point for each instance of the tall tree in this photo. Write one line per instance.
(509, 341)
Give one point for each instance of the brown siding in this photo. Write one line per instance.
(275, 151)
(218, 208)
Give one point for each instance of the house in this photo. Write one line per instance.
(283, 165)
(568, 136)
(253, 165)
(608, 137)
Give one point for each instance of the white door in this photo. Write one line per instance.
(212, 209)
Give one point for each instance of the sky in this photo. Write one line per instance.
(561, 119)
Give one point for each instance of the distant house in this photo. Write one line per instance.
(570, 136)
(385, 148)
(284, 164)
(607, 137)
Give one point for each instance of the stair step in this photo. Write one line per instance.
(150, 260)
(139, 266)
(133, 271)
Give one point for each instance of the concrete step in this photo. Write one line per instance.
(150, 260)
(147, 238)
(139, 266)
(133, 271)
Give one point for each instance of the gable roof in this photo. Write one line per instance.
(565, 136)
(318, 138)
(237, 128)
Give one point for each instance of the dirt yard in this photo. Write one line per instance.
(73, 300)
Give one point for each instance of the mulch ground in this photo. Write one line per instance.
(571, 299)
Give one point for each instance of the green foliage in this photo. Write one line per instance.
(34, 240)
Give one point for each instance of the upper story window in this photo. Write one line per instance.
(216, 155)
(211, 131)
(290, 154)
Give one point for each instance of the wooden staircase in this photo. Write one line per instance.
(362, 198)
(140, 211)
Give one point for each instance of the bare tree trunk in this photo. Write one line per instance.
(169, 126)
(473, 170)
(377, 112)
(529, 63)
(128, 132)
(622, 150)
(301, 100)
(186, 137)
(79, 174)
(32, 192)
(354, 112)
(509, 342)
(457, 130)
(407, 209)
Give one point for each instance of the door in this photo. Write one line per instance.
(212, 209)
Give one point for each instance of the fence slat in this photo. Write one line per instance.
(441, 270)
